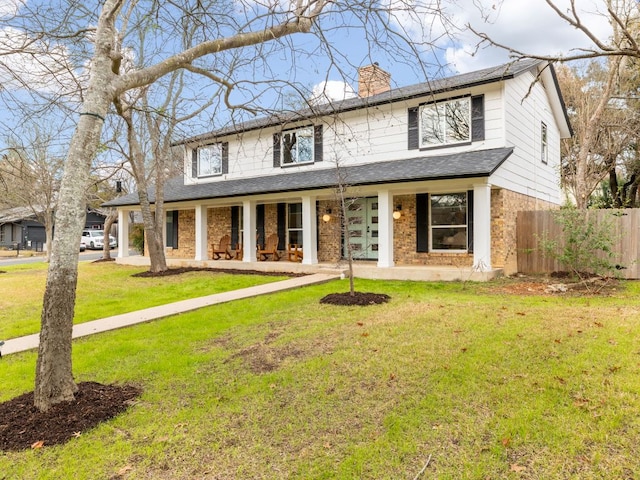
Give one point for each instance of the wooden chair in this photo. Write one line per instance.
(239, 251)
(223, 249)
(270, 248)
(294, 252)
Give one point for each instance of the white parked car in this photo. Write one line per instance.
(94, 239)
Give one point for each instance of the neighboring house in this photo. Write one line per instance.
(18, 226)
(438, 170)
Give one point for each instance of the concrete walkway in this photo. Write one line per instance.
(30, 342)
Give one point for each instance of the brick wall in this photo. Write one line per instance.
(329, 233)
(186, 236)
(405, 240)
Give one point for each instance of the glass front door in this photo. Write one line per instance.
(362, 216)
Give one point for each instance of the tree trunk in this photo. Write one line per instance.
(153, 233)
(108, 223)
(54, 377)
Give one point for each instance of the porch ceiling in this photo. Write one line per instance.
(459, 165)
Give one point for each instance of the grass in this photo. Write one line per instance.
(489, 385)
(104, 289)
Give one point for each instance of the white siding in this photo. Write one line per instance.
(514, 110)
(526, 107)
(364, 136)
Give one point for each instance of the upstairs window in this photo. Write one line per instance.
(210, 160)
(297, 146)
(450, 122)
(445, 123)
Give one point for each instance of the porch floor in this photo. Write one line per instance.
(361, 269)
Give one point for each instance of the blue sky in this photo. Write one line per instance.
(529, 25)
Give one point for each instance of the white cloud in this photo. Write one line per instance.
(331, 91)
(10, 7)
(530, 26)
(34, 64)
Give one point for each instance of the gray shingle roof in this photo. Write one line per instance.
(458, 165)
(433, 87)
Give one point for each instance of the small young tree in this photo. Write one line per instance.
(585, 246)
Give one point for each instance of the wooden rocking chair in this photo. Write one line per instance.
(294, 252)
(223, 249)
(270, 248)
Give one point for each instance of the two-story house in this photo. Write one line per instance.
(433, 173)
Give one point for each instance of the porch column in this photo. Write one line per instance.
(309, 231)
(482, 227)
(123, 233)
(385, 229)
(201, 232)
(249, 231)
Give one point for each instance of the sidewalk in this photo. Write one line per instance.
(30, 342)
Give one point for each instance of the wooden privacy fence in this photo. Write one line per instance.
(532, 226)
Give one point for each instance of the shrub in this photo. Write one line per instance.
(137, 237)
(585, 246)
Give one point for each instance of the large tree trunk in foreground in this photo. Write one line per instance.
(54, 377)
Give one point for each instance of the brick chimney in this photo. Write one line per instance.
(373, 80)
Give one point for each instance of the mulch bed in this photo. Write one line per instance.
(360, 299)
(23, 427)
(181, 270)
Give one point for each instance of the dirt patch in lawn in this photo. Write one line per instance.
(181, 270)
(558, 283)
(23, 427)
(360, 299)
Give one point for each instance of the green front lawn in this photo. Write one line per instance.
(104, 289)
(489, 385)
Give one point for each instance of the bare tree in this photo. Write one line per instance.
(623, 16)
(30, 176)
(585, 159)
(255, 30)
(623, 42)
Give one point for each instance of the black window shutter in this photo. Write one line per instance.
(317, 143)
(235, 226)
(276, 150)
(194, 163)
(413, 140)
(282, 225)
(477, 118)
(422, 222)
(260, 224)
(470, 221)
(225, 157)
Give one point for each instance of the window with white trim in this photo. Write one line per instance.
(209, 160)
(445, 123)
(544, 145)
(294, 223)
(448, 222)
(297, 146)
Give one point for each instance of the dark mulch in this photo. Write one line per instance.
(101, 260)
(22, 426)
(358, 298)
(181, 270)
